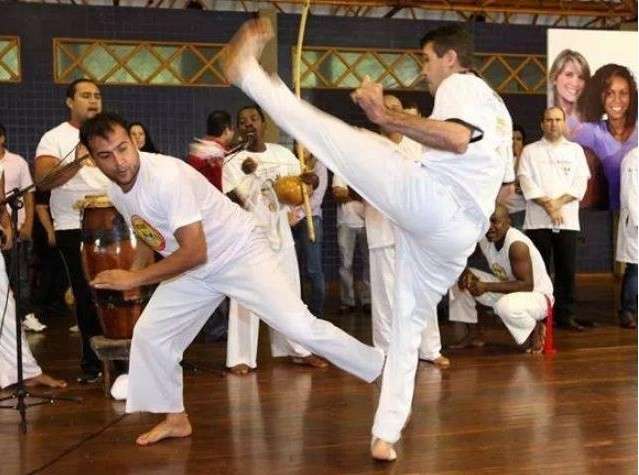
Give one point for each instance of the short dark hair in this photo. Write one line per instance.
(73, 86)
(543, 114)
(520, 129)
(452, 37)
(590, 103)
(217, 122)
(3, 131)
(251, 106)
(100, 126)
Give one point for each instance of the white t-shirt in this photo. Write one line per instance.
(256, 189)
(476, 175)
(516, 201)
(16, 175)
(61, 143)
(349, 214)
(169, 194)
(627, 234)
(379, 229)
(552, 170)
(499, 261)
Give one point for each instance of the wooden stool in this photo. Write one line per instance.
(109, 350)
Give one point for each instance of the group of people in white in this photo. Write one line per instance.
(427, 187)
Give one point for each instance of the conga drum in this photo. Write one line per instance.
(108, 243)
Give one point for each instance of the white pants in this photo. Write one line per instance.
(244, 326)
(382, 262)
(347, 240)
(179, 308)
(435, 237)
(8, 332)
(520, 311)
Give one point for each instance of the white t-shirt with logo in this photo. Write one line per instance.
(256, 189)
(552, 170)
(349, 214)
(499, 261)
(380, 229)
(16, 175)
(169, 194)
(476, 175)
(61, 143)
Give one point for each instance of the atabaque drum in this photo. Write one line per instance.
(108, 243)
(289, 190)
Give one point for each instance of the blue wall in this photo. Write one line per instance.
(176, 114)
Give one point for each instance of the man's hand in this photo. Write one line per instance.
(556, 217)
(370, 97)
(476, 287)
(310, 178)
(115, 279)
(7, 242)
(26, 232)
(464, 279)
(249, 166)
(51, 238)
(82, 155)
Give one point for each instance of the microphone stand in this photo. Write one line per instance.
(20, 393)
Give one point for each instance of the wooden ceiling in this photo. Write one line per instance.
(574, 13)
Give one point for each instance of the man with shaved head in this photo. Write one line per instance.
(518, 288)
(553, 175)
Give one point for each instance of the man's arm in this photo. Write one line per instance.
(5, 222)
(42, 211)
(190, 253)
(442, 135)
(521, 265)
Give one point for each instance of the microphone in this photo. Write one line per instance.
(243, 142)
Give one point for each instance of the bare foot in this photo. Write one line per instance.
(382, 450)
(45, 380)
(246, 45)
(174, 425)
(240, 370)
(311, 360)
(440, 362)
(537, 339)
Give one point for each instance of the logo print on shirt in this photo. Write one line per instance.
(499, 272)
(147, 233)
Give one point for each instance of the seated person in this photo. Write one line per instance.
(519, 289)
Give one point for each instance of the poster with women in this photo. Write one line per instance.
(592, 77)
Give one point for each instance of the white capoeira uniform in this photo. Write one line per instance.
(256, 190)
(520, 311)
(381, 245)
(440, 203)
(8, 333)
(167, 195)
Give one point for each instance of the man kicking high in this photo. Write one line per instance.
(439, 201)
(212, 248)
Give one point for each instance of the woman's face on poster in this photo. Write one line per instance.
(570, 82)
(616, 98)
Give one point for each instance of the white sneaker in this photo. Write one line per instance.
(31, 323)
(74, 329)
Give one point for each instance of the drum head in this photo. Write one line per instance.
(94, 201)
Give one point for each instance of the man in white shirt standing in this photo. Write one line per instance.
(553, 174)
(211, 248)
(18, 176)
(381, 245)
(440, 201)
(627, 237)
(248, 179)
(351, 235)
(60, 146)
(518, 287)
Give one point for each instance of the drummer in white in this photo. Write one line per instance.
(212, 248)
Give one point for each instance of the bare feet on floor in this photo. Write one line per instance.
(537, 339)
(240, 370)
(440, 362)
(246, 45)
(174, 425)
(311, 360)
(382, 450)
(45, 380)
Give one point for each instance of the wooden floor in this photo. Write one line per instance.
(495, 410)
